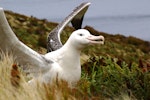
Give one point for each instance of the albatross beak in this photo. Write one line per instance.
(96, 39)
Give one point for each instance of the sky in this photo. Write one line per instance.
(61, 8)
(101, 10)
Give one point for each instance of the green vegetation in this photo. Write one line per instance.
(111, 79)
(119, 69)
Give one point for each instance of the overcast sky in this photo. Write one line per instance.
(128, 17)
(61, 8)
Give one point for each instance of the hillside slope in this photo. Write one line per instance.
(33, 32)
(119, 67)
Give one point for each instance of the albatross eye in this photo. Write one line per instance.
(81, 34)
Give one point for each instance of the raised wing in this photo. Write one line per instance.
(25, 56)
(76, 18)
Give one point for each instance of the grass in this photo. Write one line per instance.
(120, 69)
(111, 79)
(13, 85)
(102, 78)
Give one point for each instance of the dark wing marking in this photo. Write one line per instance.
(76, 17)
(77, 22)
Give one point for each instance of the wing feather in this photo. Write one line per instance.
(75, 17)
(24, 55)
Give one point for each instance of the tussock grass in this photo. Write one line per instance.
(7, 90)
(24, 91)
(14, 86)
(97, 83)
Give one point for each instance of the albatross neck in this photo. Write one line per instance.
(71, 51)
(71, 55)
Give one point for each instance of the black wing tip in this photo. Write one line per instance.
(77, 22)
(87, 3)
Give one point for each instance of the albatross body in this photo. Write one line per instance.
(62, 64)
(67, 58)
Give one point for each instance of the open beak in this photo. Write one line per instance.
(96, 39)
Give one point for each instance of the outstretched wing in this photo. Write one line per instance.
(76, 18)
(25, 56)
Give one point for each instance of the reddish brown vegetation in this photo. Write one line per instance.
(15, 75)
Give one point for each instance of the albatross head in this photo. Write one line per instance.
(82, 37)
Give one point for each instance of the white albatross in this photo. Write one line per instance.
(64, 63)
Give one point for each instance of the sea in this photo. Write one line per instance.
(126, 17)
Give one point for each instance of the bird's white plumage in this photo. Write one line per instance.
(63, 63)
(68, 57)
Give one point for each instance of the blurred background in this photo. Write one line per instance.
(126, 17)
